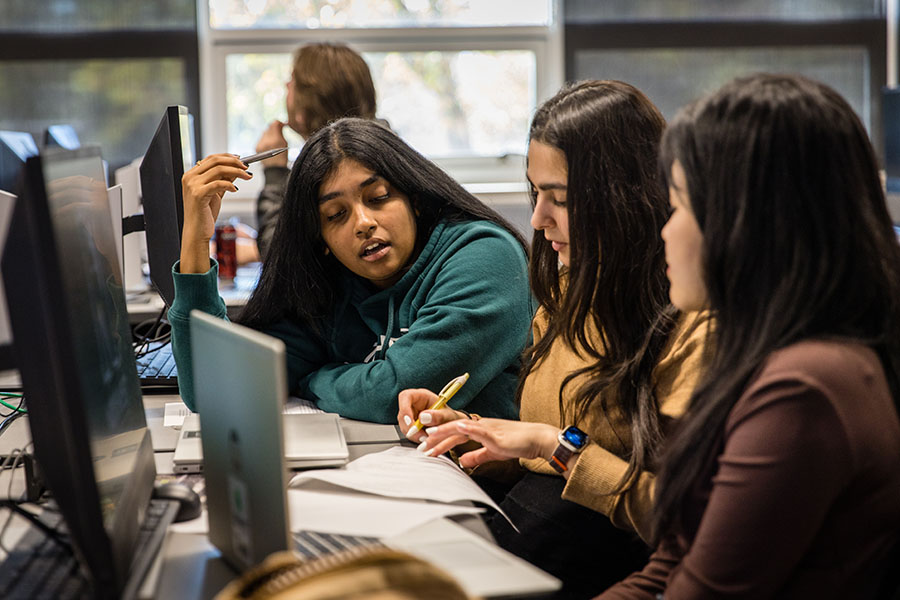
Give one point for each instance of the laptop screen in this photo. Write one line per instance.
(68, 314)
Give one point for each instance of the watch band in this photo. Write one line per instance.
(571, 441)
(560, 459)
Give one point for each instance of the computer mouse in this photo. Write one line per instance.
(189, 505)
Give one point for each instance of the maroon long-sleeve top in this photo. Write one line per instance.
(804, 500)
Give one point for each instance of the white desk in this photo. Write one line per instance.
(147, 304)
(188, 566)
(191, 567)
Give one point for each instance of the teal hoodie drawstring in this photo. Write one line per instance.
(390, 327)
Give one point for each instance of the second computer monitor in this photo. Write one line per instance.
(170, 154)
(61, 136)
(15, 147)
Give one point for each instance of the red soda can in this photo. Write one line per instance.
(226, 250)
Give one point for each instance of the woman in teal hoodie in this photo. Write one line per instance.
(383, 274)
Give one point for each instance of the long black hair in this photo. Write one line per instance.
(797, 244)
(299, 281)
(609, 132)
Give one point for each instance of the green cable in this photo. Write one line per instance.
(10, 395)
(11, 407)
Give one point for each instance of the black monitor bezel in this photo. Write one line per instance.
(56, 409)
(890, 100)
(13, 184)
(7, 347)
(161, 171)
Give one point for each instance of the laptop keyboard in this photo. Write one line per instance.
(313, 544)
(39, 567)
(157, 368)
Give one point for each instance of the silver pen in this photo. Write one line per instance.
(262, 155)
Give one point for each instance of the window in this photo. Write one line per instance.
(458, 79)
(98, 97)
(716, 10)
(357, 14)
(72, 16)
(466, 103)
(677, 50)
(107, 67)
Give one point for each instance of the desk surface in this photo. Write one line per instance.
(147, 304)
(188, 565)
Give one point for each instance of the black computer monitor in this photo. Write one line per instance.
(170, 154)
(7, 355)
(890, 113)
(15, 147)
(61, 136)
(73, 348)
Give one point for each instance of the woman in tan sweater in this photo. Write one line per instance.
(609, 355)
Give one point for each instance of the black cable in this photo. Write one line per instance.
(161, 341)
(163, 332)
(50, 532)
(8, 420)
(139, 346)
(150, 324)
(17, 409)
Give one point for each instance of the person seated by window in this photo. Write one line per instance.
(610, 354)
(383, 274)
(783, 479)
(328, 81)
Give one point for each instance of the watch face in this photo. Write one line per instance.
(575, 436)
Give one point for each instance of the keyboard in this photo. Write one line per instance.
(157, 368)
(39, 567)
(313, 544)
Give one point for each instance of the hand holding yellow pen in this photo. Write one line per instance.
(449, 390)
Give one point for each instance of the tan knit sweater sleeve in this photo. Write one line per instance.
(597, 471)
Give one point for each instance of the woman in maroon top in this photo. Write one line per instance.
(784, 477)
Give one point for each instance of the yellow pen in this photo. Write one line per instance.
(449, 390)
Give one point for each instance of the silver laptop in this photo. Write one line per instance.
(310, 441)
(246, 475)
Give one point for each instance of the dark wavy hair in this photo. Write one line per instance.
(797, 244)
(609, 132)
(299, 281)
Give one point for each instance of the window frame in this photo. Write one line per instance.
(545, 42)
(869, 33)
(112, 45)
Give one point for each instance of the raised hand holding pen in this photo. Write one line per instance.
(417, 400)
(202, 189)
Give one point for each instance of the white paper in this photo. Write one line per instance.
(351, 513)
(175, 414)
(300, 406)
(402, 472)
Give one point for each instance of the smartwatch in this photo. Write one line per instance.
(571, 441)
